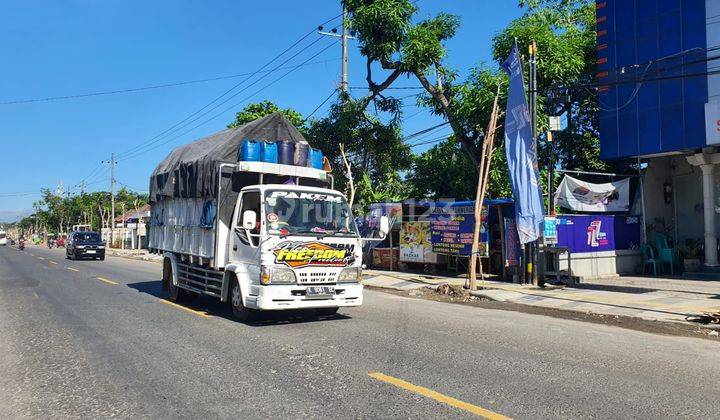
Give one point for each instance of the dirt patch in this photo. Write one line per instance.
(456, 294)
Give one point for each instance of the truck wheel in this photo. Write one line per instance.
(176, 294)
(240, 311)
(326, 311)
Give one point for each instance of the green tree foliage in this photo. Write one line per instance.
(54, 213)
(262, 109)
(565, 33)
(375, 150)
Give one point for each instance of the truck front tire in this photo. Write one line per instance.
(176, 294)
(240, 311)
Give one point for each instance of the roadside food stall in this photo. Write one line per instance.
(451, 235)
(429, 234)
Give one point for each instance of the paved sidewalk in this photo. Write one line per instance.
(645, 298)
(398, 280)
(134, 254)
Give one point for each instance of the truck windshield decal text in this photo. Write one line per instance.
(302, 254)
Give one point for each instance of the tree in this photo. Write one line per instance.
(375, 150)
(390, 40)
(262, 109)
(565, 33)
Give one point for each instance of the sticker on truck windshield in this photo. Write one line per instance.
(306, 196)
(314, 254)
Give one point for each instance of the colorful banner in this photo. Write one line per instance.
(451, 230)
(591, 233)
(521, 154)
(415, 243)
(584, 196)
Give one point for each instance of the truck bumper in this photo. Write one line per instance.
(285, 297)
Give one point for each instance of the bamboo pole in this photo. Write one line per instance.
(483, 174)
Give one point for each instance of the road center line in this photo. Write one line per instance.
(52, 262)
(106, 280)
(40, 258)
(429, 393)
(72, 269)
(193, 311)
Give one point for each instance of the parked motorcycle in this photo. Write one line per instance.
(50, 243)
(21, 245)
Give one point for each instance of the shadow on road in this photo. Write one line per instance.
(218, 309)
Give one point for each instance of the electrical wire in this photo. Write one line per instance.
(321, 104)
(199, 113)
(166, 131)
(144, 88)
(135, 154)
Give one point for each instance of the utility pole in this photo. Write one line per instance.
(112, 198)
(532, 248)
(344, 82)
(343, 41)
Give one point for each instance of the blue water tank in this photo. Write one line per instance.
(315, 158)
(286, 152)
(269, 152)
(249, 151)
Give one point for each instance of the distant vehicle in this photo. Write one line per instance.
(85, 245)
(3, 238)
(21, 244)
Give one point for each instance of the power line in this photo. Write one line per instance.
(427, 130)
(137, 153)
(144, 88)
(321, 104)
(184, 122)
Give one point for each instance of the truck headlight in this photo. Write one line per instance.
(350, 275)
(274, 275)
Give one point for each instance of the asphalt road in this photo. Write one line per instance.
(73, 345)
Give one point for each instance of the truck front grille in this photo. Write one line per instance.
(316, 277)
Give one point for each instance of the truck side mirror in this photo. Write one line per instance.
(384, 226)
(248, 219)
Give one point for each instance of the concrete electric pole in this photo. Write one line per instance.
(112, 198)
(343, 41)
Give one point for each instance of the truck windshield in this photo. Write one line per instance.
(308, 213)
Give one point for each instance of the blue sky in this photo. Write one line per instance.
(82, 46)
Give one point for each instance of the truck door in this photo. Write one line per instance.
(243, 249)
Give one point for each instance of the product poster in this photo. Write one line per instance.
(415, 243)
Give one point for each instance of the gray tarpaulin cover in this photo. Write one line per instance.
(191, 171)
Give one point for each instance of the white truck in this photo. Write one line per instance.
(261, 236)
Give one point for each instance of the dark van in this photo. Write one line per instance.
(85, 245)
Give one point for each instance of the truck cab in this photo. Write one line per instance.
(294, 247)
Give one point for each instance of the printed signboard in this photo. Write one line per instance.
(451, 230)
(590, 233)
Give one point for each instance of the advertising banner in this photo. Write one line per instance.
(521, 153)
(594, 233)
(415, 243)
(583, 196)
(451, 230)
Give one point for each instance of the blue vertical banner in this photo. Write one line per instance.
(522, 154)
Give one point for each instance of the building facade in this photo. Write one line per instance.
(660, 105)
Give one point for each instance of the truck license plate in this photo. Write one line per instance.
(90, 252)
(320, 291)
